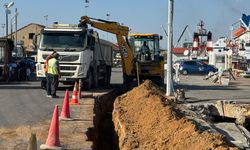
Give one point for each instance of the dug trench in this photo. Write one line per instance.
(144, 118)
(103, 134)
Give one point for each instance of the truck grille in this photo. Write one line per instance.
(65, 57)
(68, 68)
(68, 57)
(67, 74)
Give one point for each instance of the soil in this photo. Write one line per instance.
(145, 119)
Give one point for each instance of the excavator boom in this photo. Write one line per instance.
(121, 32)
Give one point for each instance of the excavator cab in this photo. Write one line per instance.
(146, 51)
(145, 46)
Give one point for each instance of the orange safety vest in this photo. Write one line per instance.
(46, 67)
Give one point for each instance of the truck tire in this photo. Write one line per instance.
(88, 83)
(107, 76)
(128, 82)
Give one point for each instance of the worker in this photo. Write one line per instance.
(145, 51)
(46, 69)
(53, 76)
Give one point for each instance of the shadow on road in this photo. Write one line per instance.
(205, 87)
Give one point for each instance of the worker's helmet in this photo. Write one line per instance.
(55, 55)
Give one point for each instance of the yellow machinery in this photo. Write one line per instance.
(133, 63)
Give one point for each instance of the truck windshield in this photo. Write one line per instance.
(65, 40)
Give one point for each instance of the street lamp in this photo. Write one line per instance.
(108, 15)
(7, 11)
(3, 26)
(86, 6)
(46, 19)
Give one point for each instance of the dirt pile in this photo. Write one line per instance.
(145, 119)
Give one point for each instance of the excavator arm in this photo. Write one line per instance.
(120, 32)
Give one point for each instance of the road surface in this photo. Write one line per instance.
(25, 103)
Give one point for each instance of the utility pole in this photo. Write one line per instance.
(16, 13)
(108, 15)
(86, 7)
(3, 27)
(11, 28)
(169, 84)
(7, 12)
(46, 19)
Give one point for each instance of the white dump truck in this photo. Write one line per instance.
(83, 56)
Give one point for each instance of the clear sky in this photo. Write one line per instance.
(142, 16)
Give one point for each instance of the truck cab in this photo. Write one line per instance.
(79, 54)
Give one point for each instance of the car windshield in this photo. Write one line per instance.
(66, 40)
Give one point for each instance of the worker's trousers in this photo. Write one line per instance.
(52, 84)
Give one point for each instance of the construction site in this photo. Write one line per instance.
(79, 91)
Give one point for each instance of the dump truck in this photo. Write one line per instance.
(83, 56)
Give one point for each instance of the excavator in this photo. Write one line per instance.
(135, 63)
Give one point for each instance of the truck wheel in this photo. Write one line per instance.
(107, 76)
(128, 82)
(89, 81)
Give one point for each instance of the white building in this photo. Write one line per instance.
(241, 36)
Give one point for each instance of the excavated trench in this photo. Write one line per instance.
(104, 136)
(144, 120)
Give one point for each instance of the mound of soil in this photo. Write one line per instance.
(145, 119)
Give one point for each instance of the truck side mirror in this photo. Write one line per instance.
(91, 42)
(161, 37)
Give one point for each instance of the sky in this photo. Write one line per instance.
(141, 16)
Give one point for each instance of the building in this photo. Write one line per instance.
(183, 52)
(241, 36)
(28, 37)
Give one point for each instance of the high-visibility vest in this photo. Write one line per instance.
(53, 67)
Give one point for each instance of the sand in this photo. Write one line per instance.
(145, 119)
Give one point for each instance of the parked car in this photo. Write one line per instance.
(195, 67)
(27, 62)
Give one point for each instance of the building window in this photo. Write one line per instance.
(31, 35)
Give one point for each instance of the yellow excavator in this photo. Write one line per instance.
(136, 62)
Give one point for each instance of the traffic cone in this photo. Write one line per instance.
(65, 114)
(74, 99)
(53, 141)
(32, 142)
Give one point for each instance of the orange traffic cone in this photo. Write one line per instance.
(74, 99)
(65, 114)
(53, 141)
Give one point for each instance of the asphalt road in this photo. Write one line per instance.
(200, 90)
(25, 103)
